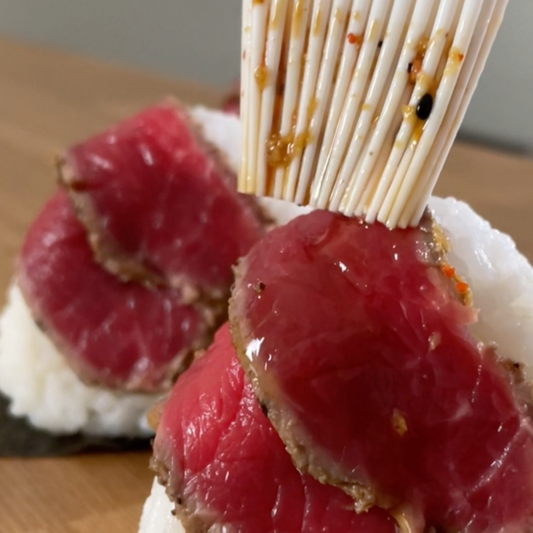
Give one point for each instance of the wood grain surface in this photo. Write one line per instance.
(49, 100)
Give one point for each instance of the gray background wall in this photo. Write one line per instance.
(200, 39)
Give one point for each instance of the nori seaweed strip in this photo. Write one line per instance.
(19, 439)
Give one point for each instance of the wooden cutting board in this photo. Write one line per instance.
(76, 495)
(49, 100)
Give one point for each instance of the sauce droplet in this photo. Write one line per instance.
(424, 107)
(448, 271)
(462, 288)
(354, 39)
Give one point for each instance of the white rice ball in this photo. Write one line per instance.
(42, 386)
(157, 514)
(37, 378)
(501, 280)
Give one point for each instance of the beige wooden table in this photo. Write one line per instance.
(47, 101)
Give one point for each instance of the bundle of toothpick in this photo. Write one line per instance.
(353, 105)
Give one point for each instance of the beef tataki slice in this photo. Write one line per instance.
(227, 470)
(357, 345)
(160, 203)
(116, 334)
